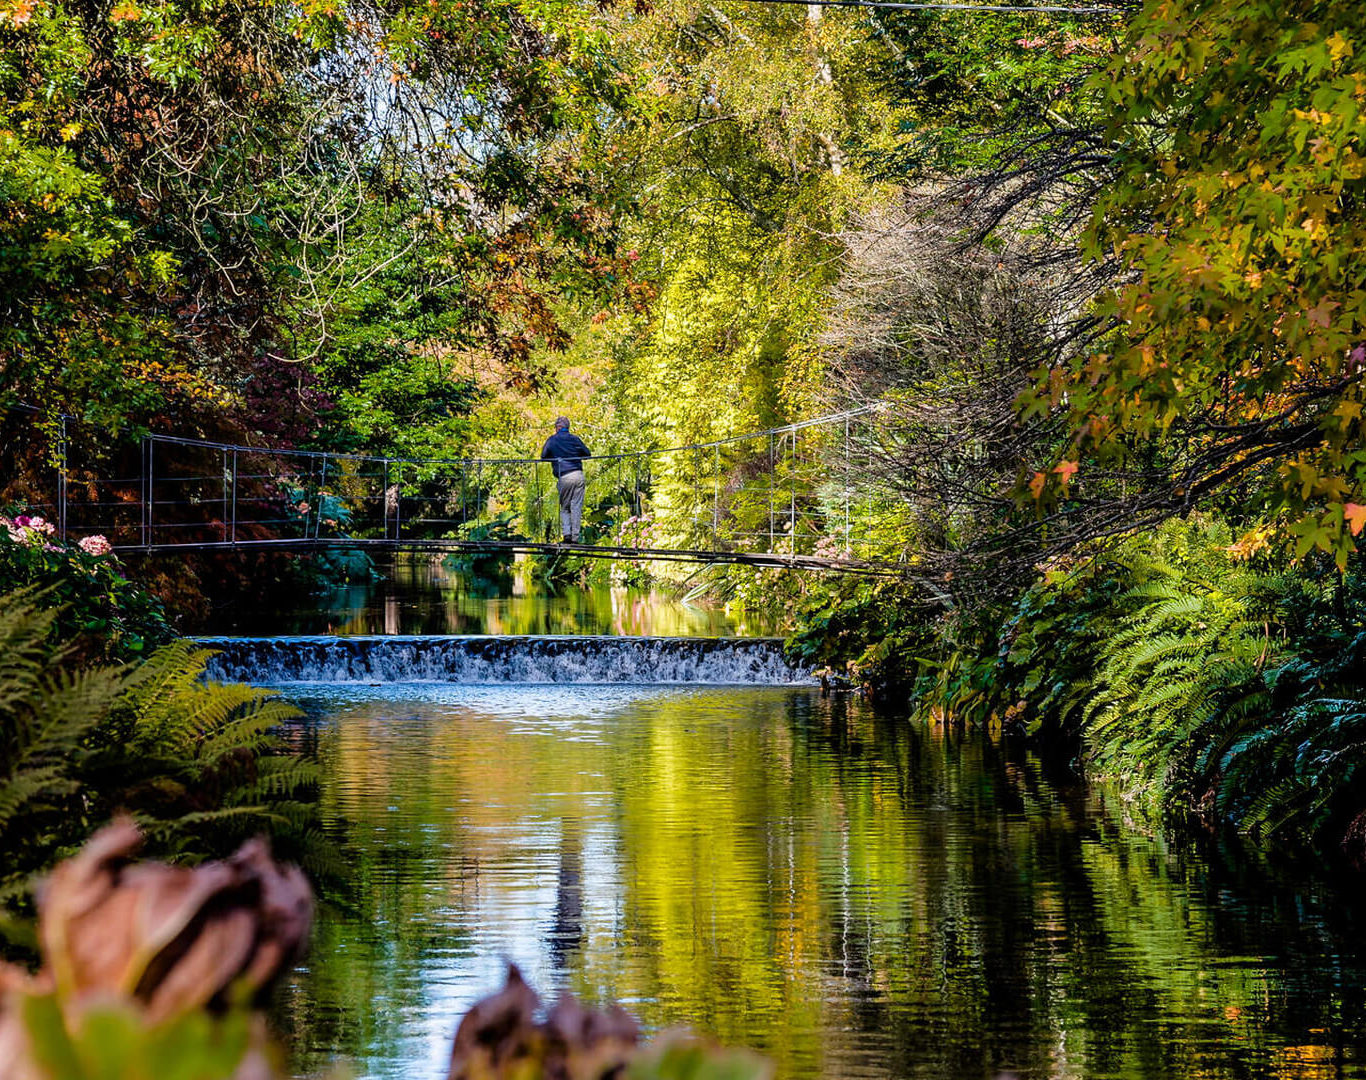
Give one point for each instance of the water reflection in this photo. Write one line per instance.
(855, 898)
(420, 594)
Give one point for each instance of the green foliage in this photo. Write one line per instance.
(973, 88)
(46, 717)
(96, 607)
(99, 240)
(1236, 216)
(1193, 677)
(198, 764)
(866, 631)
(116, 1042)
(1213, 696)
(1166, 668)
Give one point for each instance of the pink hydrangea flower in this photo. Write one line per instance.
(96, 545)
(28, 529)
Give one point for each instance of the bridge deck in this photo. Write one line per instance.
(787, 497)
(506, 547)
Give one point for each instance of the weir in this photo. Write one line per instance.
(484, 660)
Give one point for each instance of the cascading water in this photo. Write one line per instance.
(492, 660)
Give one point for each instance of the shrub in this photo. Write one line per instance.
(100, 611)
(197, 764)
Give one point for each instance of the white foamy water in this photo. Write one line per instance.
(470, 660)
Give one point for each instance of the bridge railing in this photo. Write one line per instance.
(793, 490)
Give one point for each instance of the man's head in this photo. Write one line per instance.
(561, 423)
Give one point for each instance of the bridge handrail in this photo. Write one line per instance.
(799, 425)
(813, 516)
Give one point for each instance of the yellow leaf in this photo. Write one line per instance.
(19, 12)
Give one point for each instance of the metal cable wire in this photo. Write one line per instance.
(208, 508)
(995, 9)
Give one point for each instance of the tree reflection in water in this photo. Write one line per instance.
(420, 594)
(853, 897)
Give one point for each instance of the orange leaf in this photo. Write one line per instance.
(1355, 516)
(21, 12)
(1036, 485)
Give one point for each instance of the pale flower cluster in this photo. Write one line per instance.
(95, 545)
(34, 530)
(28, 528)
(636, 531)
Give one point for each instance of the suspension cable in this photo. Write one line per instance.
(995, 9)
(829, 418)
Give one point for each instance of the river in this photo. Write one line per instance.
(852, 895)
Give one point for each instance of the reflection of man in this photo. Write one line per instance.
(566, 452)
(566, 934)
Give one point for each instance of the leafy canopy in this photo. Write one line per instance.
(1239, 219)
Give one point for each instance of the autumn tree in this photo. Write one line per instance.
(1238, 225)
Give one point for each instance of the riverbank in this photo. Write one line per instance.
(1199, 672)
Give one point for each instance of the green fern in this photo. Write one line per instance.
(199, 764)
(1298, 768)
(202, 762)
(46, 715)
(1164, 674)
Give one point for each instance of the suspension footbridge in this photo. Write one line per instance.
(786, 496)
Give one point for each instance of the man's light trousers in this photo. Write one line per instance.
(571, 487)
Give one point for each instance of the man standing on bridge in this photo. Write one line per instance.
(566, 452)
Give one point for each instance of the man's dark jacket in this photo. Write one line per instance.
(565, 452)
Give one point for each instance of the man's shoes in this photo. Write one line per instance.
(567, 540)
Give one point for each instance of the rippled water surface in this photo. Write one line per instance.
(855, 898)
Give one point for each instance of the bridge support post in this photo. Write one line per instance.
(772, 484)
(847, 546)
(384, 495)
(232, 535)
(322, 486)
(716, 495)
(148, 483)
(538, 512)
(696, 514)
(223, 496)
(61, 478)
